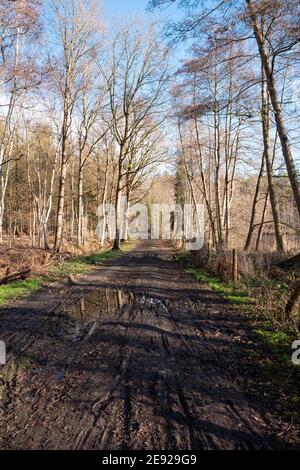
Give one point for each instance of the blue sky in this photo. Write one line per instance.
(115, 8)
(118, 7)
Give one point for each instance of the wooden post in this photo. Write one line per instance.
(234, 266)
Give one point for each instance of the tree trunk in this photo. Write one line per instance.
(117, 242)
(266, 138)
(104, 201)
(254, 206)
(217, 150)
(58, 241)
(60, 207)
(80, 209)
(284, 139)
(263, 217)
(293, 300)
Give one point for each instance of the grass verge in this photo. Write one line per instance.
(228, 290)
(18, 289)
(268, 366)
(276, 336)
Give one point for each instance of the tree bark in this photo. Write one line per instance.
(282, 132)
(80, 208)
(266, 138)
(58, 241)
(61, 201)
(117, 242)
(254, 206)
(293, 300)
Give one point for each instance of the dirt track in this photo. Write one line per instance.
(137, 356)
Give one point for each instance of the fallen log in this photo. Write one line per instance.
(290, 263)
(22, 275)
(293, 300)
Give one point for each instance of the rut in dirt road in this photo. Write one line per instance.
(136, 356)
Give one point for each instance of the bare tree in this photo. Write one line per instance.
(267, 155)
(41, 161)
(279, 36)
(136, 77)
(90, 134)
(282, 34)
(18, 22)
(76, 34)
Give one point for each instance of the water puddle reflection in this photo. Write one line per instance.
(100, 304)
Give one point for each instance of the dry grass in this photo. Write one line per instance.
(260, 277)
(249, 264)
(22, 255)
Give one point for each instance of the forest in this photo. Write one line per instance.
(91, 111)
(186, 102)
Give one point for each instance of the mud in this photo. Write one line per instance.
(136, 355)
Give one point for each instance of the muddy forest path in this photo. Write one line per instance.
(138, 355)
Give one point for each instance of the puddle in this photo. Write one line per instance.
(100, 304)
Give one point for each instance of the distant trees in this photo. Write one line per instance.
(272, 27)
(89, 115)
(276, 27)
(135, 76)
(90, 133)
(82, 122)
(76, 37)
(211, 116)
(18, 26)
(42, 153)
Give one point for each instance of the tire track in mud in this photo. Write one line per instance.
(98, 417)
(196, 439)
(210, 369)
(150, 364)
(24, 340)
(188, 339)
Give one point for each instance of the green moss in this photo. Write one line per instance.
(25, 364)
(278, 341)
(269, 360)
(18, 289)
(128, 246)
(232, 295)
(236, 299)
(97, 258)
(182, 257)
(259, 282)
(274, 338)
